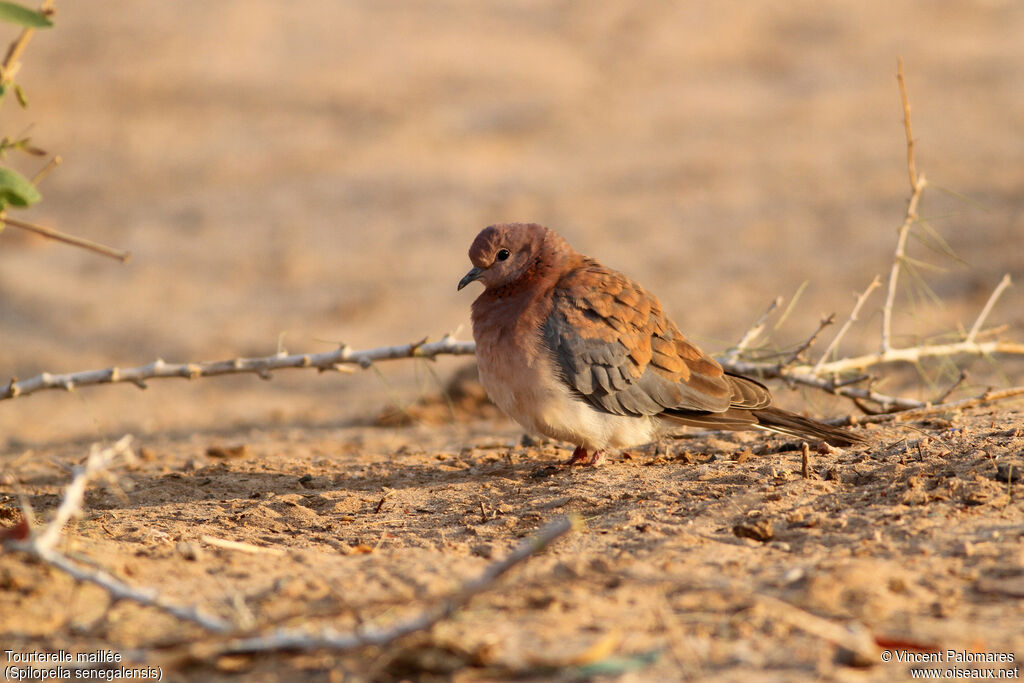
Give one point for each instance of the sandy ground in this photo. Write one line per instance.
(318, 170)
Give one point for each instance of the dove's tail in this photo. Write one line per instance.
(785, 422)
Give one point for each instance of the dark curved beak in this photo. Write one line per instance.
(473, 274)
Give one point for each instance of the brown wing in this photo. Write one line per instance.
(616, 348)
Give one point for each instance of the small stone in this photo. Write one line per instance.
(1010, 472)
(484, 550)
(759, 530)
(189, 551)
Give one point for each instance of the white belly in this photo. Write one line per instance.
(531, 394)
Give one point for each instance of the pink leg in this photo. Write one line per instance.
(581, 456)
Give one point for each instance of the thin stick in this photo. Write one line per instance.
(846, 326)
(801, 375)
(949, 392)
(240, 546)
(50, 233)
(914, 354)
(119, 590)
(158, 369)
(917, 185)
(853, 637)
(45, 170)
(1003, 284)
(752, 333)
(911, 165)
(331, 639)
(825, 322)
(925, 410)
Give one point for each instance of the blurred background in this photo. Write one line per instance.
(318, 169)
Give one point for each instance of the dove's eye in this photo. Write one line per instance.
(502, 255)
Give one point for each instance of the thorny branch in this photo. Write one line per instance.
(338, 359)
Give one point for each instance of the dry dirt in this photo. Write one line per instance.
(917, 537)
(317, 170)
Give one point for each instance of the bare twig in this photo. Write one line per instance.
(331, 639)
(802, 375)
(793, 357)
(103, 249)
(330, 360)
(976, 328)
(911, 164)
(846, 326)
(941, 398)
(853, 637)
(917, 185)
(915, 354)
(754, 331)
(41, 545)
(925, 410)
(240, 546)
(45, 170)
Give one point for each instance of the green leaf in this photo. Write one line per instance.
(16, 190)
(16, 14)
(22, 100)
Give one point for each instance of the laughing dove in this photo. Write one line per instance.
(578, 352)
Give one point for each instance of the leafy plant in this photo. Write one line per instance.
(17, 191)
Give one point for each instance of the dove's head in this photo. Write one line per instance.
(505, 252)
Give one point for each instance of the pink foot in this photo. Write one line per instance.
(581, 456)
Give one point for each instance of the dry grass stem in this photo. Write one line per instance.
(59, 236)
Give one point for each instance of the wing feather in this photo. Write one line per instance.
(615, 347)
